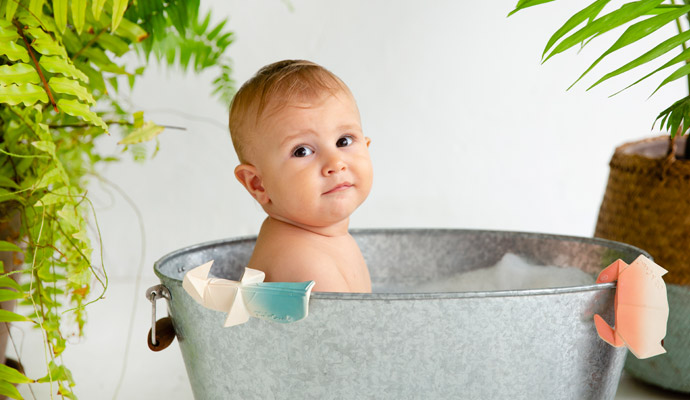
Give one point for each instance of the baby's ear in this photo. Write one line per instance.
(251, 180)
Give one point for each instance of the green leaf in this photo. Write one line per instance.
(677, 74)
(636, 32)
(119, 8)
(98, 57)
(68, 215)
(60, 13)
(45, 44)
(14, 52)
(147, 132)
(6, 281)
(6, 195)
(610, 21)
(61, 65)
(130, 30)
(36, 7)
(138, 119)
(6, 295)
(114, 44)
(588, 12)
(9, 316)
(7, 246)
(78, 14)
(97, 8)
(27, 94)
(11, 375)
(7, 182)
(9, 390)
(18, 73)
(672, 117)
(212, 35)
(45, 146)
(652, 54)
(522, 4)
(71, 87)
(96, 81)
(11, 9)
(8, 33)
(77, 109)
(57, 373)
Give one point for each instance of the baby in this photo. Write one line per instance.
(297, 132)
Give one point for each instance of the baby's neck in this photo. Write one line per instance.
(337, 229)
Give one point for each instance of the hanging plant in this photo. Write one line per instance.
(61, 67)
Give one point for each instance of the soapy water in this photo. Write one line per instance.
(511, 273)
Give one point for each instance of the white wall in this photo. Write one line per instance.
(468, 131)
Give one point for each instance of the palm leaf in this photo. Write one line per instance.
(636, 32)
(612, 20)
(590, 12)
(677, 74)
(672, 118)
(522, 4)
(652, 54)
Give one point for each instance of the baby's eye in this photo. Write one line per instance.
(302, 151)
(344, 141)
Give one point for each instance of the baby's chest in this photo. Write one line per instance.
(351, 265)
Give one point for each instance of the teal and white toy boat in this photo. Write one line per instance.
(273, 301)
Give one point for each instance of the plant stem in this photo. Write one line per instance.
(38, 68)
(181, 128)
(89, 43)
(686, 153)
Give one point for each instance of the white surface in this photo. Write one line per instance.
(468, 131)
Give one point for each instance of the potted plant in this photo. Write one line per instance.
(61, 70)
(647, 200)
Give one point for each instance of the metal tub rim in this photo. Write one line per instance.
(432, 295)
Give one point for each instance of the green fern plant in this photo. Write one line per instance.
(642, 18)
(60, 70)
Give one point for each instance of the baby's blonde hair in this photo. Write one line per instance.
(275, 86)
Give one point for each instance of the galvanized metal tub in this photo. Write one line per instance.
(398, 344)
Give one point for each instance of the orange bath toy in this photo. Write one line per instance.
(641, 307)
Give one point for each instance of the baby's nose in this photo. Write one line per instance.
(333, 165)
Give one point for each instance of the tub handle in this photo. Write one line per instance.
(162, 332)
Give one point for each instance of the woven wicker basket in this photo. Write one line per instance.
(647, 204)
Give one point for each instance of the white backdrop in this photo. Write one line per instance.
(468, 131)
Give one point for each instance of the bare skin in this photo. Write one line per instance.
(309, 169)
(335, 263)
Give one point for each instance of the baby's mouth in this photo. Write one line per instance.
(339, 188)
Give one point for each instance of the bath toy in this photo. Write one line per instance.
(273, 301)
(641, 307)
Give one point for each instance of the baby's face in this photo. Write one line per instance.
(313, 160)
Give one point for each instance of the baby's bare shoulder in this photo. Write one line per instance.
(296, 258)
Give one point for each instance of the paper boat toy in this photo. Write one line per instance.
(273, 301)
(641, 307)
